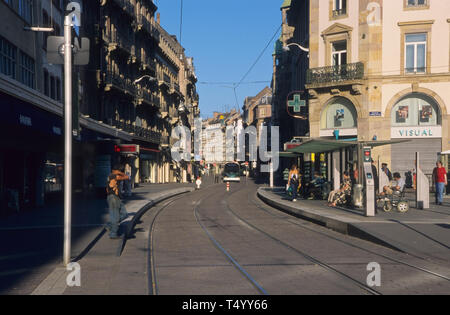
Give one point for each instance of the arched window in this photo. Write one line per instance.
(415, 110)
(339, 114)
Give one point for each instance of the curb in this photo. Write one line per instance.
(346, 228)
(152, 202)
(55, 283)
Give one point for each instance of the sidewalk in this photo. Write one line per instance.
(33, 252)
(103, 271)
(424, 233)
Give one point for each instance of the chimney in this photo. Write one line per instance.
(158, 18)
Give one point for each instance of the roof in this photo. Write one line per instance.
(324, 145)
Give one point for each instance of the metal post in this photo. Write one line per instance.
(271, 174)
(67, 138)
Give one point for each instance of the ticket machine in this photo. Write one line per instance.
(370, 182)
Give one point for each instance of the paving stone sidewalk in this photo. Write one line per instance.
(424, 233)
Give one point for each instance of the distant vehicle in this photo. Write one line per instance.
(231, 172)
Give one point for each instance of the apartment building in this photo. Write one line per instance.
(379, 70)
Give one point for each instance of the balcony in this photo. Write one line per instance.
(126, 6)
(143, 24)
(118, 41)
(119, 82)
(146, 96)
(140, 132)
(335, 75)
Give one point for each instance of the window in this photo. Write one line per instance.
(416, 53)
(46, 87)
(415, 110)
(340, 7)
(416, 3)
(8, 58)
(58, 89)
(340, 114)
(339, 53)
(25, 10)
(26, 67)
(52, 87)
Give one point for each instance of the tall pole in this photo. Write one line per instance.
(67, 137)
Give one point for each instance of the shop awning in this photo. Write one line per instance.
(324, 145)
(445, 153)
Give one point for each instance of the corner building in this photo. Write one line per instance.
(380, 70)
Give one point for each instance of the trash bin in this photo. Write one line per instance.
(358, 196)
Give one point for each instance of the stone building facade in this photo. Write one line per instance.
(379, 70)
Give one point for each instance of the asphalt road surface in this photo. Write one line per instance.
(218, 242)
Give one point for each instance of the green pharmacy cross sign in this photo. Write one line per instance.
(296, 103)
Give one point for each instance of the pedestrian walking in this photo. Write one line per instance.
(117, 211)
(440, 181)
(294, 181)
(127, 182)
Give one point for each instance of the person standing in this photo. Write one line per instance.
(385, 169)
(440, 180)
(117, 211)
(293, 181)
(376, 182)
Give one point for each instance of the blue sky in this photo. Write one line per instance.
(225, 38)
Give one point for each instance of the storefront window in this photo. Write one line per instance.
(415, 110)
(340, 114)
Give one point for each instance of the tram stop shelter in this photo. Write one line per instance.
(337, 155)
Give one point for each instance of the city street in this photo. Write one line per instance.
(218, 242)
(224, 148)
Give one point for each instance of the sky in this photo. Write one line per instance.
(225, 38)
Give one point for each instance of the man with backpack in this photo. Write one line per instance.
(117, 211)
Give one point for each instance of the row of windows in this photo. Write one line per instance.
(415, 53)
(412, 110)
(16, 64)
(23, 7)
(340, 6)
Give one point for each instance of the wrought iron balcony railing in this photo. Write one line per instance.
(120, 82)
(333, 74)
(126, 5)
(145, 133)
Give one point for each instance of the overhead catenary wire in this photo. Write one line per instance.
(259, 57)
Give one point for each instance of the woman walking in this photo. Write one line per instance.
(294, 181)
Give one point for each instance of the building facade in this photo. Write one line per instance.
(380, 70)
(124, 113)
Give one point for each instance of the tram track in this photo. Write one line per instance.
(303, 254)
(348, 243)
(216, 227)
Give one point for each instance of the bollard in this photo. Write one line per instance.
(228, 186)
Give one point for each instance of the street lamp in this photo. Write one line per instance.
(143, 77)
(286, 48)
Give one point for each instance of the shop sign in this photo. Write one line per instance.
(126, 149)
(416, 132)
(296, 104)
